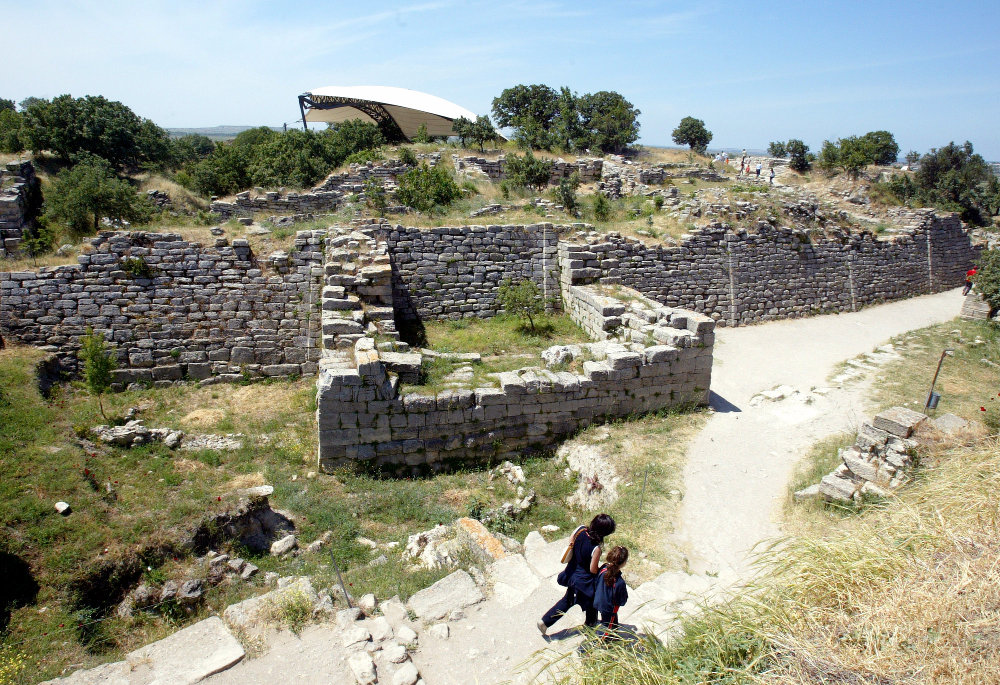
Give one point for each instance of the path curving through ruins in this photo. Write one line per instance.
(739, 465)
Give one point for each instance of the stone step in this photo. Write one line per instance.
(376, 313)
(349, 303)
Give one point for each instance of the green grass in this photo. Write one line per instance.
(502, 335)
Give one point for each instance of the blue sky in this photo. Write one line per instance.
(754, 71)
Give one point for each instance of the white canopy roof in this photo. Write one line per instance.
(408, 108)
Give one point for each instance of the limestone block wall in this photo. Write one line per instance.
(20, 202)
(202, 312)
(454, 272)
(744, 278)
(361, 415)
(588, 169)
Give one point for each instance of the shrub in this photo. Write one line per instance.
(601, 207)
(462, 127)
(375, 196)
(38, 237)
(527, 171)
(521, 299)
(98, 363)
(798, 155)
(692, 132)
(88, 191)
(407, 156)
(11, 139)
(425, 187)
(987, 277)
(137, 267)
(566, 191)
(421, 136)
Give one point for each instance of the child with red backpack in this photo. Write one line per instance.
(611, 592)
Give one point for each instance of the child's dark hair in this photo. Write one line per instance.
(601, 527)
(616, 559)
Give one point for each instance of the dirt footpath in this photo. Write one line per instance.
(738, 467)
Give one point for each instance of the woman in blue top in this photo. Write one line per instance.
(581, 572)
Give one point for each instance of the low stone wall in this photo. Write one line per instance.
(588, 169)
(199, 311)
(773, 273)
(20, 202)
(454, 272)
(362, 417)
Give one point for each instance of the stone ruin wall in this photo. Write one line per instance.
(205, 312)
(20, 202)
(325, 197)
(590, 169)
(455, 272)
(362, 416)
(744, 278)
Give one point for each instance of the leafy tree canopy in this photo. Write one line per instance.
(692, 132)
(83, 194)
(69, 126)
(426, 187)
(798, 154)
(543, 118)
(987, 278)
(854, 153)
(777, 148)
(522, 299)
(527, 171)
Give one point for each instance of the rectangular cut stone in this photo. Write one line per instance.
(899, 421)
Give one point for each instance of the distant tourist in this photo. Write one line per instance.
(771, 179)
(582, 564)
(758, 169)
(969, 275)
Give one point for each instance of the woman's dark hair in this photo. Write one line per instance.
(616, 559)
(601, 527)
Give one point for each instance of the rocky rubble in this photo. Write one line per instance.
(881, 458)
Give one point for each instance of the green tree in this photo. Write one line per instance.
(7, 105)
(880, 147)
(777, 148)
(853, 155)
(375, 196)
(798, 154)
(692, 132)
(482, 132)
(912, 157)
(38, 237)
(601, 207)
(527, 171)
(987, 277)
(531, 111)
(98, 363)
(191, 148)
(426, 187)
(406, 156)
(611, 122)
(421, 136)
(68, 126)
(565, 192)
(462, 127)
(11, 124)
(954, 177)
(829, 156)
(88, 191)
(521, 299)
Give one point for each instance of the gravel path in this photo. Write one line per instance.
(739, 465)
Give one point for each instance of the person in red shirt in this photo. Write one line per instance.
(968, 280)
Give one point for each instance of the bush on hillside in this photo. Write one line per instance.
(854, 153)
(987, 278)
(798, 154)
(426, 187)
(68, 126)
(953, 178)
(522, 299)
(777, 148)
(527, 171)
(565, 192)
(264, 157)
(85, 193)
(11, 123)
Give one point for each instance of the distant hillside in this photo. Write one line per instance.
(214, 132)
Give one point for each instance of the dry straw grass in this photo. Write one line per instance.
(905, 592)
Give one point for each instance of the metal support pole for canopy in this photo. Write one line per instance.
(302, 108)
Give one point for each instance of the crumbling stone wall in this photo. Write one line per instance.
(588, 169)
(743, 278)
(454, 272)
(200, 311)
(20, 202)
(362, 416)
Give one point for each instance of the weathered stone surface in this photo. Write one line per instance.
(407, 674)
(513, 580)
(363, 668)
(258, 612)
(283, 546)
(949, 424)
(837, 487)
(455, 591)
(899, 421)
(479, 540)
(188, 656)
